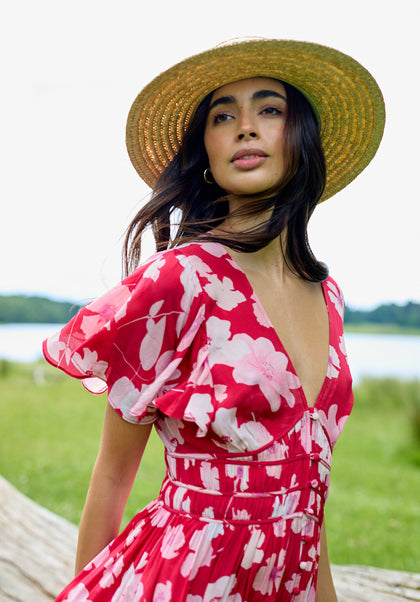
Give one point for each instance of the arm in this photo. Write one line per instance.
(121, 449)
(325, 591)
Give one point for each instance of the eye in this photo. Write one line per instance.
(272, 111)
(221, 118)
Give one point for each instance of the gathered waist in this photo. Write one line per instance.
(246, 490)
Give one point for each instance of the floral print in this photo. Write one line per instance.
(183, 342)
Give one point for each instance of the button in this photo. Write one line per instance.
(303, 566)
(296, 591)
(309, 511)
(314, 484)
(307, 538)
(314, 416)
(314, 456)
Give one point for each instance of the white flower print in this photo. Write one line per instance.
(134, 532)
(201, 554)
(223, 292)
(336, 297)
(239, 472)
(198, 410)
(209, 476)
(292, 583)
(253, 552)
(219, 590)
(248, 436)
(99, 559)
(78, 594)
(215, 249)
(173, 540)
(103, 310)
(131, 587)
(89, 363)
(288, 507)
(113, 568)
(331, 425)
(153, 270)
(342, 346)
(160, 518)
(163, 592)
(260, 313)
(333, 363)
(221, 350)
(124, 395)
(151, 344)
(269, 576)
(55, 347)
(267, 368)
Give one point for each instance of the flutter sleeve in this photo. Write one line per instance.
(131, 340)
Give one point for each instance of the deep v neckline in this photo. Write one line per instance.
(276, 338)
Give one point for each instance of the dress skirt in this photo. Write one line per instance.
(237, 528)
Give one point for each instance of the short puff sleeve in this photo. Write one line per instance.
(131, 340)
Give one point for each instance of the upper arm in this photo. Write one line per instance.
(122, 446)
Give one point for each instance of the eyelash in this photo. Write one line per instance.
(222, 117)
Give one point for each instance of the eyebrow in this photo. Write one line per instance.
(258, 95)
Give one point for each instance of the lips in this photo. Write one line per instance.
(248, 153)
(248, 158)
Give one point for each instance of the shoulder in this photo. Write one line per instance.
(188, 261)
(334, 295)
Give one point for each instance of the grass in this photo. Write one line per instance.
(373, 328)
(49, 438)
(374, 506)
(50, 435)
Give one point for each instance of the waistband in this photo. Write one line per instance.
(246, 491)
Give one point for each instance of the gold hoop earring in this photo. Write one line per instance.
(208, 176)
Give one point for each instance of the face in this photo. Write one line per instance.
(244, 135)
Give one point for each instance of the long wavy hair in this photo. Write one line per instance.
(183, 207)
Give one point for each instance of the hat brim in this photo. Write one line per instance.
(345, 97)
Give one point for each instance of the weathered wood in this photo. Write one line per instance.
(368, 584)
(37, 550)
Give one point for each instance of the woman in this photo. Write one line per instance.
(229, 339)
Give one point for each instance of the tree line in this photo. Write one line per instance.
(25, 309)
(407, 315)
(20, 309)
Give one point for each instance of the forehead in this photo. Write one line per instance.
(249, 86)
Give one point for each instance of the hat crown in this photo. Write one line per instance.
(343, 94)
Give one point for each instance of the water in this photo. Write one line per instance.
(369, 354)
(23, 342)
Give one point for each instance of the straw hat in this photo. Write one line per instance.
(344, 96)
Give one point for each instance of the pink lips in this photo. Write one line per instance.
(249, 158)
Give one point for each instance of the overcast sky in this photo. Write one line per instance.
(68, 189)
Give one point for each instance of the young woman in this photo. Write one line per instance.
(230, 338)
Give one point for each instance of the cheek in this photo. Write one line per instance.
(210, 144)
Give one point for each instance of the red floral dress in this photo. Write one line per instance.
(184, 342)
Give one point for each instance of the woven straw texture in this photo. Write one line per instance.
(343, 94)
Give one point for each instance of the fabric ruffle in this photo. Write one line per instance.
(132, 340)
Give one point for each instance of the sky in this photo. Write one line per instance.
(68, 190)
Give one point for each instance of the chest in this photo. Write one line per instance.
(299, 317)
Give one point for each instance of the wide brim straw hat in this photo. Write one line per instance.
(344, 96)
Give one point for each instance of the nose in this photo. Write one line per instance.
(246, 127)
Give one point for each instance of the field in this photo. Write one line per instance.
(50, 429)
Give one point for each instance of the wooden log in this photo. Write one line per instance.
(368, 584)
(37, 551)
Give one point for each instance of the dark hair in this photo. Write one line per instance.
(184, 207)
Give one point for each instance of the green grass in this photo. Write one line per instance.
(49, 438)
(374, 506)
(50, 435)
(373, 328)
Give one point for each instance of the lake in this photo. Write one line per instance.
(369, 354)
